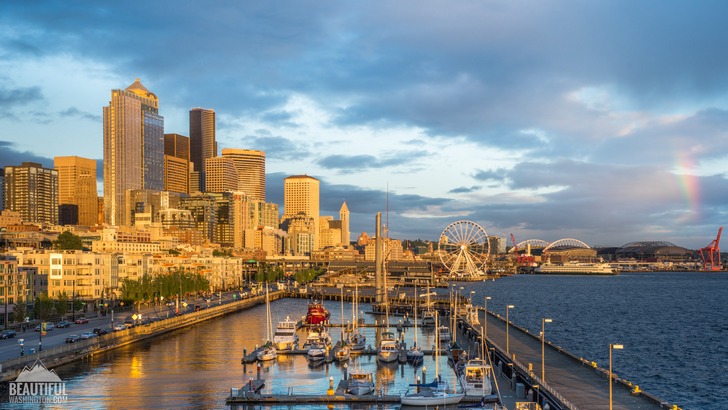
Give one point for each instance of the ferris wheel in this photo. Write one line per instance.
(464, 249)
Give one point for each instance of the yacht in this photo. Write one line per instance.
(317, 335)
(360, 382)
(285, 337)
(475, 378)
(388, 350)
(577, 268)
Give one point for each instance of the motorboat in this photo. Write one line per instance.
(317, 352)
(356, 340)
(428, 316)
(342, 352)
(285, 337)
(388, 350)
(317, 313)
(317, 335)
(443, 335)
(360, 382)
(475, 378)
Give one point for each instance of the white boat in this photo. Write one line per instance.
(414, 353)
(342, 352)
(475, 378)
(432, 394)
(317, 352)
(317, 335)
(577, 268)
(388, 350)
(355, 339)
(428, 316)
(360, 382)
(285, 337)
(268, 352)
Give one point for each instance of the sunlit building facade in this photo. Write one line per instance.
(250, 165)
(77, 186)
(203, 144)
(301, 195)
(133, 148)
(32, 191)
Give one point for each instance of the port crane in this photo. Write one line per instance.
(711, 254)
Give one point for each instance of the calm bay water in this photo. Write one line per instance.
(673, 327)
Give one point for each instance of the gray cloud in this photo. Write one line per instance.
(9, 155)
(74, 112)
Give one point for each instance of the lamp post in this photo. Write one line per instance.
(543, 350)
(485, 318)
(611, 347)
(73, 302)
(508, 347)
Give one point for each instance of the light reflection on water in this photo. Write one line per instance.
(197, 366)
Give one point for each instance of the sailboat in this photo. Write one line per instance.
(435, 393)
(356, 340)
(341, 350)
(428, 316)
(414, 353)
(268, 351)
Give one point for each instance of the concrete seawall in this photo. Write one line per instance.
(60, 355)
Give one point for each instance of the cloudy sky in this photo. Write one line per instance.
(603, 121)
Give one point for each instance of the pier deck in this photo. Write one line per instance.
(578, 381)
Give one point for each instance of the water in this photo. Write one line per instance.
(673, 327)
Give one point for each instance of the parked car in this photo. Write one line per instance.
(49, 326)
(100, 331)
(73, 338)
(7, 334)
(88, 335)
(63, 323)
(81, 321)
(119, 326)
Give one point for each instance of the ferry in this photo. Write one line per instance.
(577, 268)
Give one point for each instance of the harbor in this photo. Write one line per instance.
(199, 364)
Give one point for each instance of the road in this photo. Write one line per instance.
(10, 348)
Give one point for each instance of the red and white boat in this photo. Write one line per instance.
(317, 313)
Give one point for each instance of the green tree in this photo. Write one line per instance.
(20, 312)
(68, 241)
(43, 306)
(61, 304)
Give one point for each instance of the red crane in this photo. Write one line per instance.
(711, 253)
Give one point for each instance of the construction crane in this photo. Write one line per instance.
(711, 254)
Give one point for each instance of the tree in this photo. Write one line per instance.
(61, 304)
(43, 306)
(21, 311)
(68, 241)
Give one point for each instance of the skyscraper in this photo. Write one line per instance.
(221, 175)
(133, 148)
(301, 195)
(77, 186)
(250, 165)
(202, 139)
(33, 191)
(177, 164)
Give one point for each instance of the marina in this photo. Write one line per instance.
(132, 372)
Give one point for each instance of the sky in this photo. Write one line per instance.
(603, 121)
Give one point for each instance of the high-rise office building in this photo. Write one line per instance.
(250, 165)
(301, 195)
(202, 139)
(77, 186)
(2, 189)
(177, 164)
(133, 148)
(220, 175)
(33, 191)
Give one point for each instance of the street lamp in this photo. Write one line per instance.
(543, 338)
(612, 346)
(485, 318)
(508, 349)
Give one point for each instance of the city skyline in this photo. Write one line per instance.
(603, 122)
